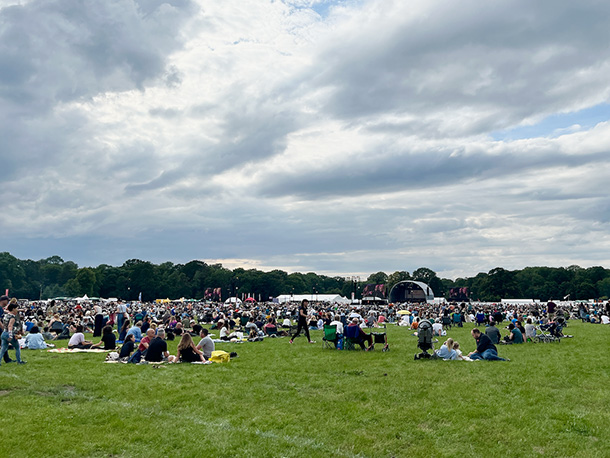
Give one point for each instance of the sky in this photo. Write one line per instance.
(341, 137)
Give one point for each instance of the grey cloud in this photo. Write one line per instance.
(62, 50)
(509, 60)
(430, 168)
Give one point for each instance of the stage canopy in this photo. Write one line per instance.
(411, 291)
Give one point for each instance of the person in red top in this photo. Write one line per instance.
(141, 351)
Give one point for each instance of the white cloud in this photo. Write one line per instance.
(339, 137)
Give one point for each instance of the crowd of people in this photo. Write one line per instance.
(144, 328)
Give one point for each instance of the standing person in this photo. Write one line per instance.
(121, 310)
(485, 349)
(302, 322)
(12, 331)
(3, 305)
(99, 321)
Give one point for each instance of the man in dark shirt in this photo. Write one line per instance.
(485, 348)
(302, 323)
(157, 349)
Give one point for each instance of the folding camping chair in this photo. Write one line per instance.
(351, 337)
(330, 336)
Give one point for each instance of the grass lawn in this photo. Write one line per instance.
(278, 399)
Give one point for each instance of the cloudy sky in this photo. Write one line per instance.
(343, 137)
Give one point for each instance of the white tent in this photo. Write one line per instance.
(82, 299)
(331, 298)
(233, 300)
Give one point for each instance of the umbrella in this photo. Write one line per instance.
(403, 312)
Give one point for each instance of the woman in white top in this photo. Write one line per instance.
(530, 330)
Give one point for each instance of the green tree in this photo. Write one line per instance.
(86, 280)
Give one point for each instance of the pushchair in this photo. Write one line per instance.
(424, 340)
(546, 333)
(380, 338)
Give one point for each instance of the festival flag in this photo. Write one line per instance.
(140, 297)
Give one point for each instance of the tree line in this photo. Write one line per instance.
(54, 277)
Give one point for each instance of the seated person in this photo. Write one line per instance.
(437, 329)
(123, 331)
(108, 339)
(515, 336)
(143, 347)
(78, 339)
(136, 331)
(605, 319)
(206, 344)
(187, 351)
(313, 324)
(339, 332)
(361, 335)
(456, 347)
(128, 346)
(286, 323)
(224, 331)
(493, 333)
(446, 351)
(34, 340)
(337, 322)
(46, 334)
(270, 327)
(530, 329)
(485, 348)
(251, 326)
(64, 334)
(157, 349)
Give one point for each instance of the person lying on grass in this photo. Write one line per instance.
(187, 351)
(78, 339)
(485, 349)
(108, 339)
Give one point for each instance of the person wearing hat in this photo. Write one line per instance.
(12, 331)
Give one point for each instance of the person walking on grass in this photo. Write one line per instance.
(302, 322)
(12, 332)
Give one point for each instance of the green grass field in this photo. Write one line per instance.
(278, 399)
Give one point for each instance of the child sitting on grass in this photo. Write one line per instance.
(456, 347)
(446, 351)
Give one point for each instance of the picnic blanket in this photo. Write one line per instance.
(77, 350)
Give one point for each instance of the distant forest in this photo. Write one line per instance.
(54, 277)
